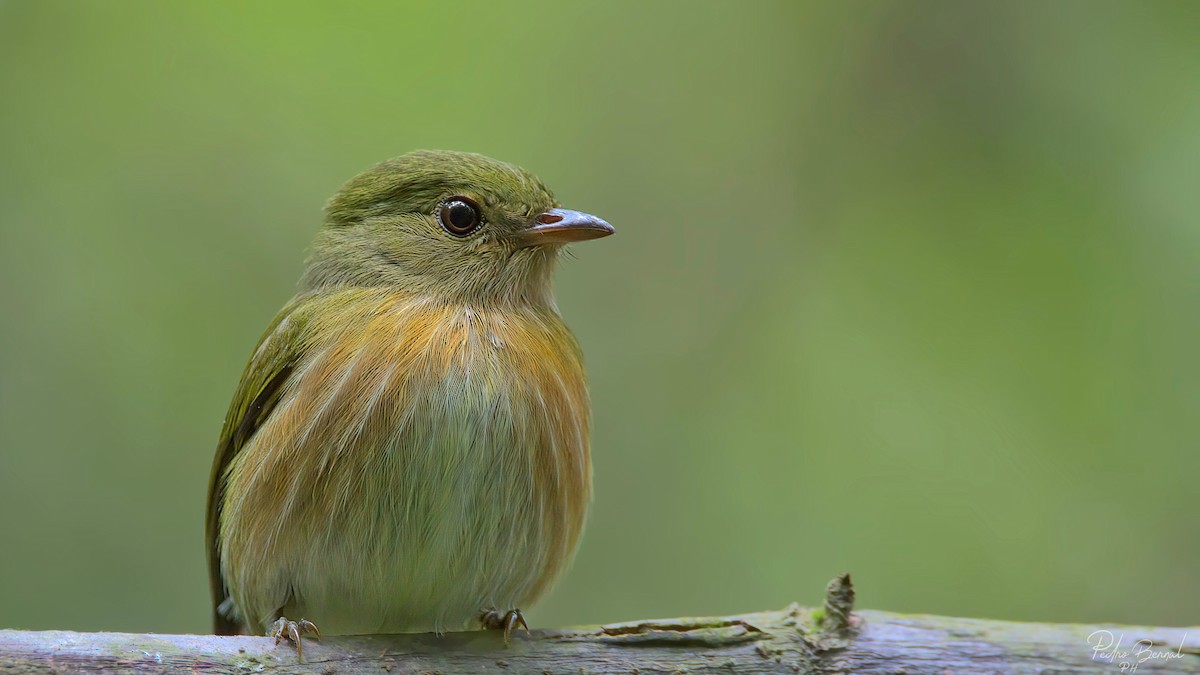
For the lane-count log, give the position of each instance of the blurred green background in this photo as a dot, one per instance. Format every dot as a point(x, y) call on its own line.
point(905, 289)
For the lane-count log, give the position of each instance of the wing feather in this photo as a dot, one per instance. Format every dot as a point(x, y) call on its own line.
point(278, 352)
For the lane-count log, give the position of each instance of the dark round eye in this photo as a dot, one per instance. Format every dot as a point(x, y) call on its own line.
point(459, 216)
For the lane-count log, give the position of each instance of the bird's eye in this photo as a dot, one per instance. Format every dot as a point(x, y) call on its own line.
point(459, 216)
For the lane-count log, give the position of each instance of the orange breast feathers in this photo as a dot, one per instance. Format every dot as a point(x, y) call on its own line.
point(428, 457)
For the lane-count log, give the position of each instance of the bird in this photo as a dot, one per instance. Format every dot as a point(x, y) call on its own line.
point(408, 447)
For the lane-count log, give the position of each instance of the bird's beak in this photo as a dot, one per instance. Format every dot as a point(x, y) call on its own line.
point(563, 226)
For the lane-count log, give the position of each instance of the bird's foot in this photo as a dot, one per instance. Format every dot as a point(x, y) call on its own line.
point(292, 630)
point(494, 619)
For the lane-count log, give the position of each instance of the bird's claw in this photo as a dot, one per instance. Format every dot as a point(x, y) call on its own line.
point(292, 630)
point(494, 619)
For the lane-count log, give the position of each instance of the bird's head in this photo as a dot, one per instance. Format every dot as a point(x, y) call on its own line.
point(450, 225)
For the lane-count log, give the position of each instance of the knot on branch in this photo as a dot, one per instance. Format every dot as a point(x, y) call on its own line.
point(839, 603)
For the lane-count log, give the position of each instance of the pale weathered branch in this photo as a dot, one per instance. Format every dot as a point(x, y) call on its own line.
point(792, 640)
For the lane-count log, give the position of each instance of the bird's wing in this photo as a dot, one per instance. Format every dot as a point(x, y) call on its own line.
point(277, 355)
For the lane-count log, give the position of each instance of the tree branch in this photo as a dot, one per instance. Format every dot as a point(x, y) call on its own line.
point(792, 640)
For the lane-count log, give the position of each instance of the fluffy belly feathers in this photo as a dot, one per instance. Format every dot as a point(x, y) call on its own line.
point(441, 468)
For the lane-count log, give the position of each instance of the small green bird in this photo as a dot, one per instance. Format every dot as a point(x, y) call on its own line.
point(408, 448)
